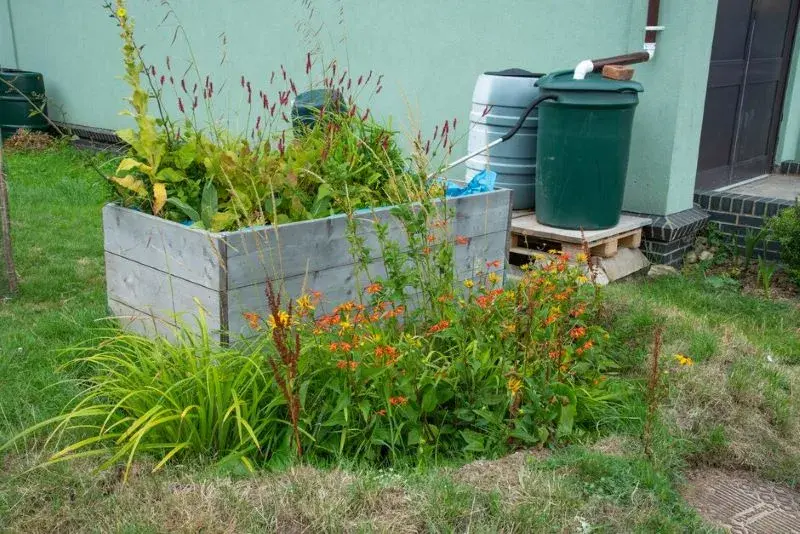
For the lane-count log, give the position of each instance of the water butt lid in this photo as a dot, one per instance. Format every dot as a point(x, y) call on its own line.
point(563, 81)
point(514, 73)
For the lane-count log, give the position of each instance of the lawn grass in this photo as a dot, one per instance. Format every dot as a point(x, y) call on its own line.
point(58, 245)
point(738, 406)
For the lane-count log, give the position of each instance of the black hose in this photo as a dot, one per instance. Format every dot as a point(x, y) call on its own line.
point(513, 131)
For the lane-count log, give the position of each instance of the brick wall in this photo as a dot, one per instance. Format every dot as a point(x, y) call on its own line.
point(736, 215)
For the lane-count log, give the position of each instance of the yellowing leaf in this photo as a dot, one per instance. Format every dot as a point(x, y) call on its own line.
point(127, 135)
point(131, 183)
point(159, 197)
point(222, 220)
point(128, 164)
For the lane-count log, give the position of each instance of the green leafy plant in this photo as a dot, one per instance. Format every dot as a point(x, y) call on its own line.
point(285, 170)
point(187, 398)
point(785, 228)
point(766, 271)
point(751, 240)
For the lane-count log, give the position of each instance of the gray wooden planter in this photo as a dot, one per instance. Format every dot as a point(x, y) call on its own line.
point(159, 271)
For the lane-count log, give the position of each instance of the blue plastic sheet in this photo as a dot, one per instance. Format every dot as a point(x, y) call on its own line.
point(483, 182)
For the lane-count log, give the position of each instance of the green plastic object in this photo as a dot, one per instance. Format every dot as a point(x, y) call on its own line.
point(21, 95)
point(583, 148)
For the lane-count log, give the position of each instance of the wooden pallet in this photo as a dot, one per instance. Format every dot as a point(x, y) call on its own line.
point(529, 237)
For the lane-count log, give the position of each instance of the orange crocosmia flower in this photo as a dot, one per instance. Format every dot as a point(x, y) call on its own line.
point(577, 312)
point(577, 332)
point(495, 264)
point(444, 298)
point(341, 364)
point(395, 401)
point(550, 319)
point(381, 412)
point(345, 346)
point(426, 250)
point(253, 319)
point(462, 240)
point(438, 327)
point(431, 238)
point(374, 288)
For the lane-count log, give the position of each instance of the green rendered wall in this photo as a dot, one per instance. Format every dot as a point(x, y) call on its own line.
point(430, 53)
point(7, 58)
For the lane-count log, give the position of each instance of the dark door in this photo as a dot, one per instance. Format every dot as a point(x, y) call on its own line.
point(746, 84)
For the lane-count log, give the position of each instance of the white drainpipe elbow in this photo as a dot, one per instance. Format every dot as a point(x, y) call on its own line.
point(583, 68)
point(650, 48)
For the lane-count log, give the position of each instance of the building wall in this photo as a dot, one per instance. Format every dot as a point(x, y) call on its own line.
point(7, 58)
point(429, 52)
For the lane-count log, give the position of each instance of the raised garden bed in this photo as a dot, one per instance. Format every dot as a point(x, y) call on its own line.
point(157, 270)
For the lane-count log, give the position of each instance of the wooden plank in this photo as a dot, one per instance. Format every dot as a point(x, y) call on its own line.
point(295, 248)
point(139, 322)
point(337, 285)
point(528, 225)
point(633, 240)
point(340, 284)
point(605, 249)
point(194, 255)
point(158, 293)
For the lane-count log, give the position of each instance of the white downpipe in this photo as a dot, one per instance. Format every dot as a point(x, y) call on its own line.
point(583, 68)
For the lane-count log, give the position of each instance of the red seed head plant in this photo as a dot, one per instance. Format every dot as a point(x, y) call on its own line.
point(287, 344)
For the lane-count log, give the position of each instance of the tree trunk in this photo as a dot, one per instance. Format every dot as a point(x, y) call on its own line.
point(5, 227)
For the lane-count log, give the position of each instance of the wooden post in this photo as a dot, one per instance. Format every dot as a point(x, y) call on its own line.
point(5, 226)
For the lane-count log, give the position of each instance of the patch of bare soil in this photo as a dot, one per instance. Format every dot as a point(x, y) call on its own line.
point(782, 287)
point(505, 475)
point(743, 503)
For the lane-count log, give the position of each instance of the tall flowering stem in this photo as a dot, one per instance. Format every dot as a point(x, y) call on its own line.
point(284, 367)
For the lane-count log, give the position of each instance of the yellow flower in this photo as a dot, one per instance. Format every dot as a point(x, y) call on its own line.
point(684, 360)
point(283, 320)
point(581, 257)
point(305, 303)
point(525, 267)
point(122, 12)
point(553, 251)
point(345, 325)
point(469, 284)
point(514, 385)
point(582, 279)
point(493, 278)
point(510, 328)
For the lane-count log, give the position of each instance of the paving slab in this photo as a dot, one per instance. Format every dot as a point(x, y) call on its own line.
point(783, 186)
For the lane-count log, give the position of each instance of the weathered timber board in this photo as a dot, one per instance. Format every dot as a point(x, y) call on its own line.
point(167, 246)
point(158, 293)
point(289, 250)
point(157, 269)
point(139, 322)
point(339, 284)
